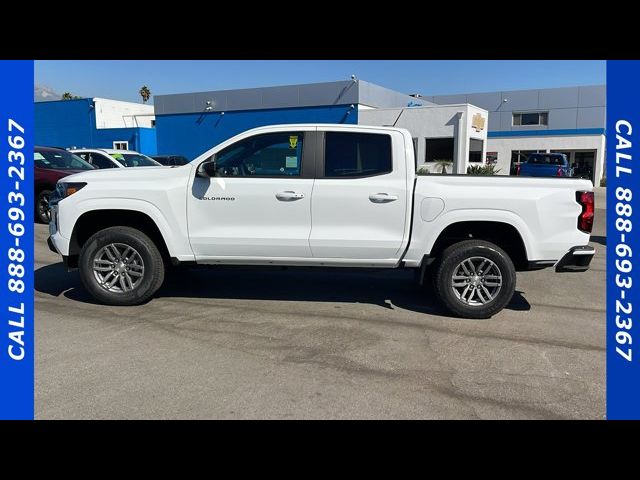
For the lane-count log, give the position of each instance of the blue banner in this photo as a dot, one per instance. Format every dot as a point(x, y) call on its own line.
point(623, 247)
point(16, 240)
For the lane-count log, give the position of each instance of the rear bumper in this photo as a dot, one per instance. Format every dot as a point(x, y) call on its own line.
point(577, 259)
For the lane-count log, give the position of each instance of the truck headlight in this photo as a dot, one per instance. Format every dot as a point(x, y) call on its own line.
point(66, 189)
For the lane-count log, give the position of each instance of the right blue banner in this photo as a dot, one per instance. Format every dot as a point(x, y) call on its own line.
point(623, 253)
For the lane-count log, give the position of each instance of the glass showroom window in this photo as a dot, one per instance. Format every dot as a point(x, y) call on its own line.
point(439, 150)
point(531, 119)
point(475, 150)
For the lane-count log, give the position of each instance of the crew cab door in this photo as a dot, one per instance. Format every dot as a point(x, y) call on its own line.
point(360, 203)
point(259, 203)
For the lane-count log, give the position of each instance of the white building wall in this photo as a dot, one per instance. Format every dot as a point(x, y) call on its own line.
point(443, 121)
point(117, 114)
point(504, 146)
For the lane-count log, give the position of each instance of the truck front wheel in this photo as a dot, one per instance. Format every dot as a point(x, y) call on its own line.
point(475, 279)
point(121, 266)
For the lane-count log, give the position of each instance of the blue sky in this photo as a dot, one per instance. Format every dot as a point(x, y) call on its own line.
point(121, 80)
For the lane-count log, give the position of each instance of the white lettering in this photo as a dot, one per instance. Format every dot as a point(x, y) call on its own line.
point(624, 123)
point(19, 356)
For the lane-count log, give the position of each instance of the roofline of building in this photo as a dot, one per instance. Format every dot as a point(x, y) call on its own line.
point(512, 91)
point(264, 87)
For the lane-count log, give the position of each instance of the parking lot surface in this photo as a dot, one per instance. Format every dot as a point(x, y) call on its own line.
point(273, 343)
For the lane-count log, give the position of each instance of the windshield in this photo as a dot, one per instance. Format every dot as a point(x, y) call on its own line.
point(60, 159)
point(134, 160)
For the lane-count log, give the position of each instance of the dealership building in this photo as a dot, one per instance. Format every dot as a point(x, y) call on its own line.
point(446, 136)
point(565, 120)
point(450, 132)
point(95, 123)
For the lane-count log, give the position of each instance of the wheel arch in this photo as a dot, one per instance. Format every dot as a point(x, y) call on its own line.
point(92, 221)
point(503, 234)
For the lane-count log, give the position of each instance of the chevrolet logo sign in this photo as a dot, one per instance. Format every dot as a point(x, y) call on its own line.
point(478, 122)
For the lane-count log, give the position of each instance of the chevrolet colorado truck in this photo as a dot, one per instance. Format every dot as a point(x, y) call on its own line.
point(319, 195)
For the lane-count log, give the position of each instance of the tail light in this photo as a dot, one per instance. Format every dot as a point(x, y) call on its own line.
point(559, 172)
point(585, 219)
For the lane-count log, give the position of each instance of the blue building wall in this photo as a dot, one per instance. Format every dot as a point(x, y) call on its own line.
point(192, 134)
point(72, 123)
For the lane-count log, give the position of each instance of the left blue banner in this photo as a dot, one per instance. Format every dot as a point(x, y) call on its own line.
point(16, 241)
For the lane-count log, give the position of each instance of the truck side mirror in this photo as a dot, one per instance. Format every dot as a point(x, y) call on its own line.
point(207, 169)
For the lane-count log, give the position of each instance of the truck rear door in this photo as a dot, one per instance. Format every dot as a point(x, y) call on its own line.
point(360, 204)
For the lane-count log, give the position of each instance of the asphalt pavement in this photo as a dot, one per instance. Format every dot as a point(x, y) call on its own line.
point(255, 342)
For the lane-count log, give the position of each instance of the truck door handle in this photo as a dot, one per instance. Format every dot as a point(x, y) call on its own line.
point(382, 198)
point(289, 196)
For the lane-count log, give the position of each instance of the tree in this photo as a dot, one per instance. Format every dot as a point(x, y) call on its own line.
point(443, 164)
point(68, 96)
point(145, 93)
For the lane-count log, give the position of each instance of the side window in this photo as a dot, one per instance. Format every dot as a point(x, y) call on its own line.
point(99, 161)
point(85, 156)
point(356, 154)
point(268, 155)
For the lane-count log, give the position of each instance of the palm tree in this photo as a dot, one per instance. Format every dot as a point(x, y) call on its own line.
point(145, 93)
point(68, 96)
point(443, 164)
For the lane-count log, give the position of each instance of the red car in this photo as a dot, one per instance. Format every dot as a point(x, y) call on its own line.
point(50, 165)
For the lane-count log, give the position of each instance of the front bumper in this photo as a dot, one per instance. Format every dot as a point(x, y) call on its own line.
point(577, 259)
point(52, 246)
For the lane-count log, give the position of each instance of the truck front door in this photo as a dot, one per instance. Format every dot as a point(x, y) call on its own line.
point(259, 203)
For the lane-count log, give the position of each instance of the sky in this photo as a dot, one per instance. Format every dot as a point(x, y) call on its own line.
point(121, 80)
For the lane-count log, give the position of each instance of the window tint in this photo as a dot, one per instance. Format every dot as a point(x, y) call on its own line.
point(268, 155)
point(100, 161)
point(356, 154)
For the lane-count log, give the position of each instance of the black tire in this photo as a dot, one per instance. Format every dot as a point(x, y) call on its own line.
point(152, 275)
point(42, 206)
point(451, 260)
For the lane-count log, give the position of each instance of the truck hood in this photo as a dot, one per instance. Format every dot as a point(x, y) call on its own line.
point(131, 174)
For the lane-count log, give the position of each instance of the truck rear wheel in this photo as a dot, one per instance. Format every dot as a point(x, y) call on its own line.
point(121, 266)
point(475, 279)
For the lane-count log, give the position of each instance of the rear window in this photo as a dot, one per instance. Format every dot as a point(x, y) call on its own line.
point(356, 154)
point(546, 160)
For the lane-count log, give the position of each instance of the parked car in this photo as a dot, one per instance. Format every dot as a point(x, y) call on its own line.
point(50, 165)
point(171, 160)
point(111, 158)
point(251, 200)
point(546, 165)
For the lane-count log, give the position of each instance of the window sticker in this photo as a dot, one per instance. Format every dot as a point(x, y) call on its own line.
point(293, 141)
point(291, 162)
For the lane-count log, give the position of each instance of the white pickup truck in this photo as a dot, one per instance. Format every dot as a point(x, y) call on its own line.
point(319, 195)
